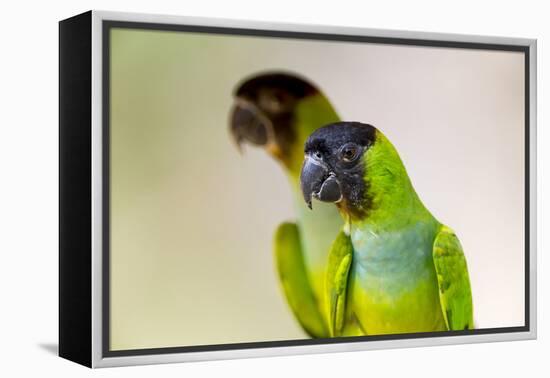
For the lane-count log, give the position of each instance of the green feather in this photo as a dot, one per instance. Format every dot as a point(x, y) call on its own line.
point(340, 256)
point(294, 281)
point(455, 293)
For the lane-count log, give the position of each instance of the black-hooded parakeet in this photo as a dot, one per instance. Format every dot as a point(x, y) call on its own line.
point(394, 268)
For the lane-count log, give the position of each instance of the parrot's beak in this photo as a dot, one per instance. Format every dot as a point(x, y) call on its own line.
point(317, 181)
point(248, 123)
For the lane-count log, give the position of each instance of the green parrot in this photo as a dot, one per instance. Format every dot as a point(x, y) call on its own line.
point(393, 268)
point(278, 111)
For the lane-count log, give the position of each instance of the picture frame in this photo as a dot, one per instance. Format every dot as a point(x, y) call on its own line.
point(85, 274)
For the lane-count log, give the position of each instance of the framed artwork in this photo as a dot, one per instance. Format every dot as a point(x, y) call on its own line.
point(233, 189)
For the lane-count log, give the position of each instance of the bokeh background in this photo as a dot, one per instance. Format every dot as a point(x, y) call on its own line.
point(192, 219)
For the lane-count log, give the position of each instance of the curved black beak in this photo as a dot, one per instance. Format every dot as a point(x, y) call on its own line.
point(317, 181)
point(249, 124)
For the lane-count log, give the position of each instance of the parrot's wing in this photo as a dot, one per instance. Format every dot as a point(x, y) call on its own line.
point(339, 262)
point(455, 293)
point(295, 282)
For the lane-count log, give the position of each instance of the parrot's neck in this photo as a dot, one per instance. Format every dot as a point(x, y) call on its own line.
point(392, 202)
point(310, 114)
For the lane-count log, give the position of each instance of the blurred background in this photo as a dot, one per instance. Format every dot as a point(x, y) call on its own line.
point(192, 225)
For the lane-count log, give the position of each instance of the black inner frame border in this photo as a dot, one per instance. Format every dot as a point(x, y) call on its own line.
point(107, 25)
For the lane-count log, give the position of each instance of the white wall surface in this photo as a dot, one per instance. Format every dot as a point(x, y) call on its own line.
point(28, 200)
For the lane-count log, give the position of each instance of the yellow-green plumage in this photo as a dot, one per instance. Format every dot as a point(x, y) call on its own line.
point(294, 279)
point(339, 263)
point(454, 284)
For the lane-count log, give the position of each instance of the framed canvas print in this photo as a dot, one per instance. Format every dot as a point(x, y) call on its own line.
point(235, 189)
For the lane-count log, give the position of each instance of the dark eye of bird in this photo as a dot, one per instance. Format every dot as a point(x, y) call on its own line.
point(318, 155)
point(273, 101)
point(349, 152)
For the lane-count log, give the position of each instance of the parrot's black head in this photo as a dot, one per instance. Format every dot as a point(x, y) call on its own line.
point(334, 168)
point(264, 108)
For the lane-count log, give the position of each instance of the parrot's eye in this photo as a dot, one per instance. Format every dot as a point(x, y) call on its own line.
point(273, 101)
point(349, 152)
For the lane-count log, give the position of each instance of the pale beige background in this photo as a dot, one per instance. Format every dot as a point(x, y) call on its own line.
point(192, 220)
